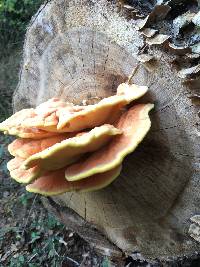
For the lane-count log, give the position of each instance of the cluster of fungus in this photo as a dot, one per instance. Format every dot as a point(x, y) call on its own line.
point(63, 147)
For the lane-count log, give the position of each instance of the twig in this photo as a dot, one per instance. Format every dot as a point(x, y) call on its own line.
point(84, 260)
point(132, 74)
point(32, 257)
point(70, 259)
point(29, 214)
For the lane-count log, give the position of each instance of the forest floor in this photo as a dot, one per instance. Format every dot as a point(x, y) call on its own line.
point(29, 235)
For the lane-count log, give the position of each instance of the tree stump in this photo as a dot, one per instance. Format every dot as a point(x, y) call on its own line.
point(82, 50)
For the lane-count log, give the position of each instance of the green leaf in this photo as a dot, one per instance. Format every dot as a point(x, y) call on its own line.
point(106, 263)
point(24, 198)
point(33, 235)
point(21, 259)
point(51, 253)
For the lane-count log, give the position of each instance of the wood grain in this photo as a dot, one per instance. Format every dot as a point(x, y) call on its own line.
point(82, 51)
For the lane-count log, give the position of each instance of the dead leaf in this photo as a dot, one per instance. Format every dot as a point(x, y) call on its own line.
point(193, 84)
point(181, 21)
point(148, 32)
point(196, 19)
point(148, 61)
point(179, 50)
point(158, 13)
point(196, 48)
point(188, 72)
point(158, 39)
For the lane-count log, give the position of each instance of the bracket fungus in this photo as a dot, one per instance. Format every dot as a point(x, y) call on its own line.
point(54, 183)
point(134, 124)
point(19, 174)
point(94, 115)
point(45, 161)
point(32, 132)
point(57, 116)
point(69, 150)
point(45, 115)
point(25, 148)
point(13, 126)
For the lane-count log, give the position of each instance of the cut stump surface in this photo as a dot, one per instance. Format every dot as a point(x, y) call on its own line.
point(82, 50)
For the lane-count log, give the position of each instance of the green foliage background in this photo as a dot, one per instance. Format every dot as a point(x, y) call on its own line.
point(14, 17)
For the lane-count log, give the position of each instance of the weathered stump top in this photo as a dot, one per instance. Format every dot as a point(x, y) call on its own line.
point(80, 50)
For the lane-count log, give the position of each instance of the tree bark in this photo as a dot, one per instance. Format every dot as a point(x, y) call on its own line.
point(81, 50)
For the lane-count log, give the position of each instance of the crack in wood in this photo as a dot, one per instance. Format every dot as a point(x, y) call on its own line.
point(94, 62)
point(186, 155)
point(167, 105)
point(85, 210)
point(106, 60)
point(167, 128)
point(38, 13)
point(67, 69)
point(70, 199)
point(86, 230)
